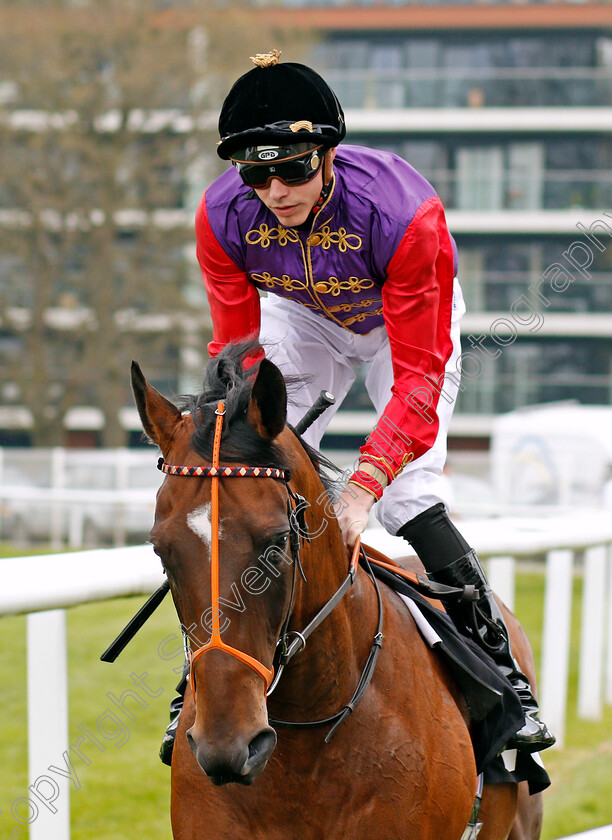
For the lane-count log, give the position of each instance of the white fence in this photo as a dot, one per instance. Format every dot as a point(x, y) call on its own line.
point(77, 497)
point(561, 539)
point(43, 586)
point(48, 584)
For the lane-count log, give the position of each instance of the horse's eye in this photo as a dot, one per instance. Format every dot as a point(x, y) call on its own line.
point(281, 541)
point(277, 547)
point(157, 551)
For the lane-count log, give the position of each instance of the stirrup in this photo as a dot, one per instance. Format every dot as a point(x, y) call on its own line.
point(533, 736)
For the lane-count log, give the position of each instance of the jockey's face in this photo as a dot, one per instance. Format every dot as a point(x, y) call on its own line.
point(292, 204)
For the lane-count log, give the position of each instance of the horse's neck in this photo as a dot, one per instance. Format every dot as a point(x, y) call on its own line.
point(324, 555)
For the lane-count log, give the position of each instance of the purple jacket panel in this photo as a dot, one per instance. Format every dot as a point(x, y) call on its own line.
point(338, 267)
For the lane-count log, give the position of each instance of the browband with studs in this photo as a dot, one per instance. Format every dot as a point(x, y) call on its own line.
point(224, 472)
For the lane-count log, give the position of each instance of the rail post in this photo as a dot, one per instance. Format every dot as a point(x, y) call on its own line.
point(48, 792)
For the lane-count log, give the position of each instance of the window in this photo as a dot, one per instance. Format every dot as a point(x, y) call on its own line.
point(525, 176)
point(500, 177)
point(480, 178)
point(388, 86)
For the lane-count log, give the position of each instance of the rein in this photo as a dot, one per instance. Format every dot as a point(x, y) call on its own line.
point(368, 670)
point(285, 650)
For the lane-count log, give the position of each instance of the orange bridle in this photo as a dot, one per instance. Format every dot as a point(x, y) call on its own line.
point(216, 642)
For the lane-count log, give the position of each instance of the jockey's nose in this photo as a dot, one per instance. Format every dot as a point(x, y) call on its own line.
point(240, 761)
point(278, 189)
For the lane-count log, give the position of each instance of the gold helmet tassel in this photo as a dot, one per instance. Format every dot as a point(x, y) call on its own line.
point(266, 59)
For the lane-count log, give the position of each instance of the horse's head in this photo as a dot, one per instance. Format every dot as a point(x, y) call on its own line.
point(225, 546)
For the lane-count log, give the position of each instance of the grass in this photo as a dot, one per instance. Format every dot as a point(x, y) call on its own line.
point(581, 773)
point(125, 790)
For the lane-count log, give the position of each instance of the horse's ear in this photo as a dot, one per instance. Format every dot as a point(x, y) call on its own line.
point(157, 414)
point(267, 412)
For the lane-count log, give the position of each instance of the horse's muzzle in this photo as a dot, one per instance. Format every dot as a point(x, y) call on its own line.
point(239, 763)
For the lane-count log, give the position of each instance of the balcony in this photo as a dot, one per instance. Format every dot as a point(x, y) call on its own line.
point(583, 308)
point(502, 392)
point(528, 188)
point(472, 87)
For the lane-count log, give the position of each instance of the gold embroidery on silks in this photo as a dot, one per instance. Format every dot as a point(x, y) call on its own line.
point(264, 236)
point(288, 283)
point(346, 307)
point(324, 237)
point(344, 241)
point(361, 317)
point(333, 286)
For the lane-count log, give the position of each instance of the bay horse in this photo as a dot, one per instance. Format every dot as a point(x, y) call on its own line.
point(401, 766)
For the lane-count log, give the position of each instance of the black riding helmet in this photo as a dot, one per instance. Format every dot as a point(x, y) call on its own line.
point(279, 104)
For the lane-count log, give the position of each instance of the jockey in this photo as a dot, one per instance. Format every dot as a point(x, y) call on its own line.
point(352, 248)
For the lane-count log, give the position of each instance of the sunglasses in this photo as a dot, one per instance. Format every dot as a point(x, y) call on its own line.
point(291, 171)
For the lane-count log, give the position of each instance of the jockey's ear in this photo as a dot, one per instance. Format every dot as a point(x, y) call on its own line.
point(267, 412)
point(157, 414)
point(328, 165)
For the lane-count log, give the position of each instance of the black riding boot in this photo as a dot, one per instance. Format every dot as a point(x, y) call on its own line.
point(167, 744)
point(483, 621)
point(448, 559)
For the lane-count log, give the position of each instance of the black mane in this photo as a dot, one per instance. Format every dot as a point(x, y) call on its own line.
point(226, 378)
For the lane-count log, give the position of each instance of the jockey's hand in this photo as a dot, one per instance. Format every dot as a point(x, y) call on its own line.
point(352, 511)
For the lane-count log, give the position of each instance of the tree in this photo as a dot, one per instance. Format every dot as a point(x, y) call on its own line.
point(107, 119)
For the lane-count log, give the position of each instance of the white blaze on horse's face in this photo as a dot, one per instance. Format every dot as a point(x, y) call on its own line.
point(200, 523)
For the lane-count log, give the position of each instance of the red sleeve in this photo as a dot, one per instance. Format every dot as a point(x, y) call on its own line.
point(233, 300)
point(417, 306)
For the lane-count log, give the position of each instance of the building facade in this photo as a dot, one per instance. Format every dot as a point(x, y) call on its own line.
point(505, 108)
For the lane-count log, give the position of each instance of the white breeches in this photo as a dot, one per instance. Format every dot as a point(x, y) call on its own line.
point(322, 356)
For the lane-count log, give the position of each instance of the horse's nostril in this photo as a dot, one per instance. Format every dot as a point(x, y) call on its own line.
point(238, 761)
point(191, 742)
point(260, 749)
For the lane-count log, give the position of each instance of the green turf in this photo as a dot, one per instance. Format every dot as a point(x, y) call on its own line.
point(580, 796)
point(125, 789)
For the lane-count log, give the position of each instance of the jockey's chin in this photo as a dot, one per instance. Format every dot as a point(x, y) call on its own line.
point(291, 204)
